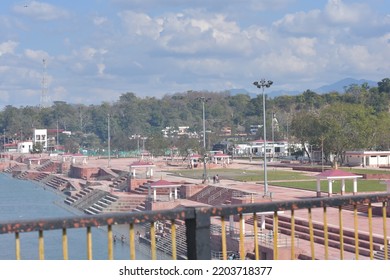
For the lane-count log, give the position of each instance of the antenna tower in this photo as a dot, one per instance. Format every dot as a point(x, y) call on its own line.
point(44, 95)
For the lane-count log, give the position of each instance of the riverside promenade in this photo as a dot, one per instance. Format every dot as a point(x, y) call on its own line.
point(164, 171)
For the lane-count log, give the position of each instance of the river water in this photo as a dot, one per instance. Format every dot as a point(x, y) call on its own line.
point(21, 200)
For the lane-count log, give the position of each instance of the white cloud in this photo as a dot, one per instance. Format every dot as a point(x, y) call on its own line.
point(8, 47)
point(99, 20)
point(303, 46)
point(310, 23)
point(101, 68)
point(191, 32)
point(41, 11)
point(176, 45)
point(37, 55)
point(338, 12)
point(140, 24)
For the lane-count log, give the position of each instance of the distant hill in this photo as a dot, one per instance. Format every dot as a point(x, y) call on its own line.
point(269, 93)
point(337, 86)
point(342, 84)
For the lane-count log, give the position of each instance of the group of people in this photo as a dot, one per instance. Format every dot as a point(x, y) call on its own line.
point(123, 238)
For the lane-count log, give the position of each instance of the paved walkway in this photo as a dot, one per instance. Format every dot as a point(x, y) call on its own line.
point(278, 194)
point(282, 193)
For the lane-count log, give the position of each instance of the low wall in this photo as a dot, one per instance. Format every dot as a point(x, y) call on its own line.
point(187, 191)
point(375, 176)
point(309, 168)
point(85, 173)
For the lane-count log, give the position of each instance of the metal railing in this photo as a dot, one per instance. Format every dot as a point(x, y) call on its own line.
point(198, 222)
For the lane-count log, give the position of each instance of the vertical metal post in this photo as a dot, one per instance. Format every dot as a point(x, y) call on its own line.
point(41, 245)
point(242, 237)
point(292, 234)
point(262, 84)
point(355, 223)
point(223, 238)
point(204, 140)
point(132, 242)
point(311, 235)
point(89, 243)
point(326, 239)
point(198, 236)
point(204, 125)
point(17, 246)
point(153, 248)
point(173, 239)
point(110, 241)
point(385, 240)
point(371, 239)
point(276, 221)
point(109, 140)
point(265, 148)
point(341, 233)
point(64, 244)
point(322, 154)
point(256, 237)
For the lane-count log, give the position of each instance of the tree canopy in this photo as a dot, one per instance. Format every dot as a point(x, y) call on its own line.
point(358, 118)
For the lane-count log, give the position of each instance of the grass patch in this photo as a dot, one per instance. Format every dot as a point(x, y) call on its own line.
point(289, 179)
point(243, 175)
point(362, 185)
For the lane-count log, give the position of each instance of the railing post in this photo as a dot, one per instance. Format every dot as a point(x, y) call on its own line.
point(198, 236)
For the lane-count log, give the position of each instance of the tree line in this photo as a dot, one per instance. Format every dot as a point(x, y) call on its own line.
point(357, 118)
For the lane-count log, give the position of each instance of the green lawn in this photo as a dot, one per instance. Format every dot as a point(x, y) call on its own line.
point(362, 185)
point(289, 179)
point(243, 175)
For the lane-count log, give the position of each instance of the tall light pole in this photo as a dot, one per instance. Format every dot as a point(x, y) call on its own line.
point(273, 135)
point(203, 100)
point(264, 84)
point(109, 140)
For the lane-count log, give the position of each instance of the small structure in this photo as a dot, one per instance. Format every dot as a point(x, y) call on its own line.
point(141, 165)
point(25, 147)
point(336, 174)
point(367, 158)
point(220, 158)
point(74, 158)
point(10, 147)
point(163, 184)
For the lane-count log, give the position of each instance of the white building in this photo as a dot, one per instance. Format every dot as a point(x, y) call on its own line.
point(40, 137)
point(367, 158)
point(273, 149)
point(25, 147)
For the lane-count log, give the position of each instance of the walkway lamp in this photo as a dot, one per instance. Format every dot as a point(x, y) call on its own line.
point(264, 84)
point(204, 100)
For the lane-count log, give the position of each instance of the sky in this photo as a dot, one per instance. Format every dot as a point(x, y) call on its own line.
point(93, 51)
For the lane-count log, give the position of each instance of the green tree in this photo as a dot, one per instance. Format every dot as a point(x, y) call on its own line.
point(37, 148)
point(348, 127)
point(384, 85)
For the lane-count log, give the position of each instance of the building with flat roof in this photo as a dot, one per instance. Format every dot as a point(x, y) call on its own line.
point(367, 158)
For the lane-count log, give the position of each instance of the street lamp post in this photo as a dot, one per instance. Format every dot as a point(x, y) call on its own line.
point(137, 137)
point(311, 154)
point(4, 141)
point(109, 140)
point(264, 84)
point(203, 100)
